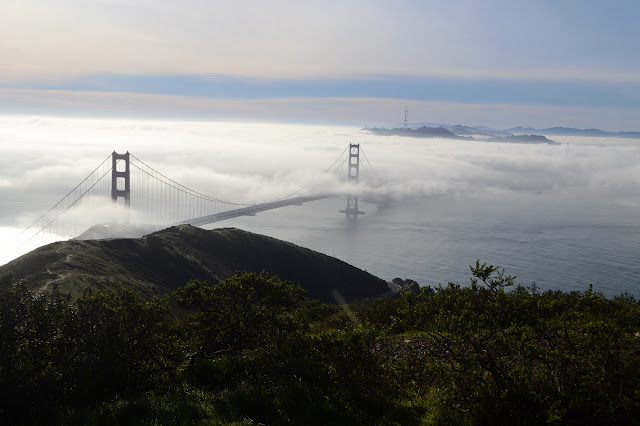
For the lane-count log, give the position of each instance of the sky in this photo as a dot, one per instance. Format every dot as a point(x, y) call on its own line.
point(495, 63)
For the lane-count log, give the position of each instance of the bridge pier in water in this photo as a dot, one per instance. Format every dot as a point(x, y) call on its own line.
point(353, 172)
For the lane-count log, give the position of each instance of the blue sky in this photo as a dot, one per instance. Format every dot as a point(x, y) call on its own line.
point(502, 62)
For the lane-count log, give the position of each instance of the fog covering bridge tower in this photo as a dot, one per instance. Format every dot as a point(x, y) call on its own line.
point(353, 172)
point(120, 178)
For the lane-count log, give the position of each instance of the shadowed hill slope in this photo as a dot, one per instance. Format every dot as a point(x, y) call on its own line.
point(159, 263)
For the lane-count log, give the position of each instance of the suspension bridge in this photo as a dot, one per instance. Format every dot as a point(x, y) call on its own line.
point(123, 188)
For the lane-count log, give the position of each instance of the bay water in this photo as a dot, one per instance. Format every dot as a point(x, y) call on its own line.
point(564, 242)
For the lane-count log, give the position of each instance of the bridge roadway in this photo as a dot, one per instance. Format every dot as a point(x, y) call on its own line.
point(251, 210)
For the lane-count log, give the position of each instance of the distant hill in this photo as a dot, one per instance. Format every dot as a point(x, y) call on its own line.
point(436, 130)
point(476, 131)
point(462, 132)
point(420, 132)
point(635, 135)
point(161, 262)
point(569, 131)
point(521, 130)
point(533, 139)
point(575, 132)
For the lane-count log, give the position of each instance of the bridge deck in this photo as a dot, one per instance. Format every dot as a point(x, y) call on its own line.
point(250, 211)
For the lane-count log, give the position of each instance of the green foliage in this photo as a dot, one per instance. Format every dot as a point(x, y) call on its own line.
point(251, 349)
point(243, 311)
point(178, 405)
point(123, 345)
point(524, 357)
point(56, 354)
point(33, 350)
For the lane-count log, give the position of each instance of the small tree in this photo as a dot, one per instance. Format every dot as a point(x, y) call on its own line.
point(245, 310)
point(123, 345)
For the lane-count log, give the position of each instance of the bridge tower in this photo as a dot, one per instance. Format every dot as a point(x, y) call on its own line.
point(352, 177)
point(120, 175)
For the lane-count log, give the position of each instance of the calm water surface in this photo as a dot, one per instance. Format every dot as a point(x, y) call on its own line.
point(559, 240)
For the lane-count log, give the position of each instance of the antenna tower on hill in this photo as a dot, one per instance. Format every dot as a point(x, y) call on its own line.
point(406, 117)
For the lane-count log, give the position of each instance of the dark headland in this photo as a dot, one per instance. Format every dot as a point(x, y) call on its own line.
point(161, 262)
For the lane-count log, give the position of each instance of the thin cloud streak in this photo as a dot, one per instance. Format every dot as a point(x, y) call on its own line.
point(361, 110)
point(445, 89)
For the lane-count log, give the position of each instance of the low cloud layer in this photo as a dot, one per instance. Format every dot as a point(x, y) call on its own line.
point(42, 159)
